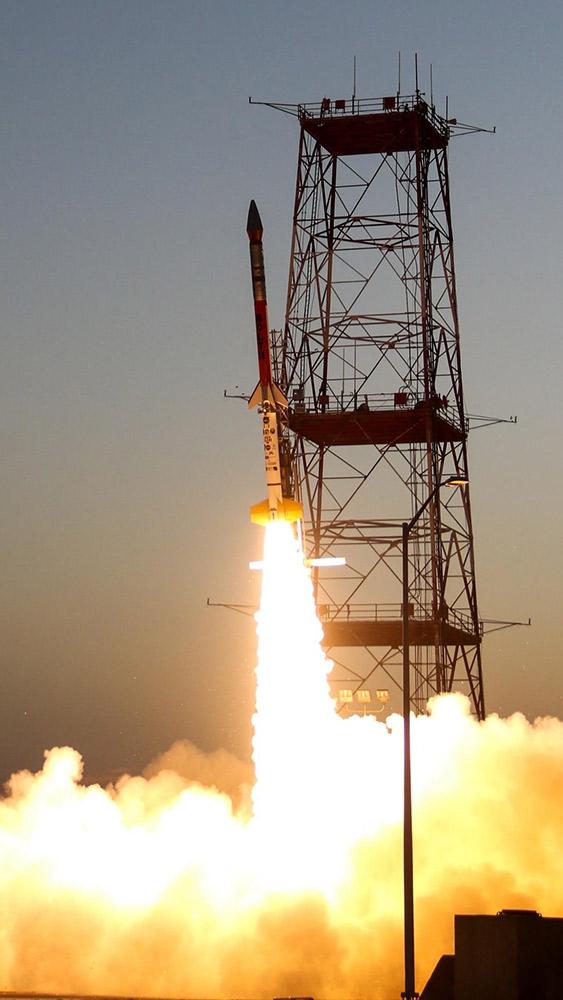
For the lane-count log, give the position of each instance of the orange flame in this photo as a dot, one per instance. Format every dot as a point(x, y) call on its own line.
point(161, 886)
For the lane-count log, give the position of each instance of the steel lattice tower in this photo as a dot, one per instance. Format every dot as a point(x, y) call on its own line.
point(370, 361)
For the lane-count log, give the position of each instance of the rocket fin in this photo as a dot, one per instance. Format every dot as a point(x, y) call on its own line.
point(256, 397)
point(272, 393)
point(279, 397)
point(288, 510)
point(260, 513)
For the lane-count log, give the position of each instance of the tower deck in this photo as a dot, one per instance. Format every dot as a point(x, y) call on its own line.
point(413, 126)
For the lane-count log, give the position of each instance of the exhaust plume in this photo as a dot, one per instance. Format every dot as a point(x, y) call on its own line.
point(176, 883)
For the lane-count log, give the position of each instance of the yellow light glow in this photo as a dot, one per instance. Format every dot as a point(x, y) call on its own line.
point(164, 886)
point(363, 695)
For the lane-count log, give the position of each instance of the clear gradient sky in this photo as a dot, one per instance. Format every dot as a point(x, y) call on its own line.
point(129, 156)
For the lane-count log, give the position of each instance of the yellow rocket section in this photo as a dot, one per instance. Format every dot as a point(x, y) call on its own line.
point(287, 510)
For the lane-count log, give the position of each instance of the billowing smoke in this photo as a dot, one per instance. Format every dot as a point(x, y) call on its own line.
point(176, 884)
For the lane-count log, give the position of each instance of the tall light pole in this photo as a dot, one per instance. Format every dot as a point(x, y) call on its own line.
point(409, 992)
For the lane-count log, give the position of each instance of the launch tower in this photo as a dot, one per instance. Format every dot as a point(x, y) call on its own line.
point(369, 360)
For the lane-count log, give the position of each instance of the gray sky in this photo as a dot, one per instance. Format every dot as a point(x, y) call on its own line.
point(130, 154)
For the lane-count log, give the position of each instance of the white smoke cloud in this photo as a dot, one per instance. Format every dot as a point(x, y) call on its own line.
point(152, 886)
point(169, 884)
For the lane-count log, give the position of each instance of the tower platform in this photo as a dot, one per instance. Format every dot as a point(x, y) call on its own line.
point(400, 126)
point(375, 626)
point(366, 426)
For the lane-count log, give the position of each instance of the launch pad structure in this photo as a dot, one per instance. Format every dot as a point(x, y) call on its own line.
point(369, 360)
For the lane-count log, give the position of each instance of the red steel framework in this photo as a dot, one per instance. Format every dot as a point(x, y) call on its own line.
point(370, 362)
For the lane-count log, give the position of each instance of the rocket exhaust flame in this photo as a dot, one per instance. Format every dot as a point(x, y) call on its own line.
point(163, 886)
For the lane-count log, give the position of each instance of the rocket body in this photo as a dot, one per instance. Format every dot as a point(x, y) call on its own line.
point(254, 231)
point(267, 395)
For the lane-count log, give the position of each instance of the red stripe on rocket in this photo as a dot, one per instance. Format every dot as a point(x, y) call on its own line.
point(266, 388)
point(267, 394)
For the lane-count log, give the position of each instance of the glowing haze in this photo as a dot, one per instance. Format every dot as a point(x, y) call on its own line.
point(187, 882)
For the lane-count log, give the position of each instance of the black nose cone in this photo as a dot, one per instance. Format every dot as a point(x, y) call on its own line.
point(254, 222)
